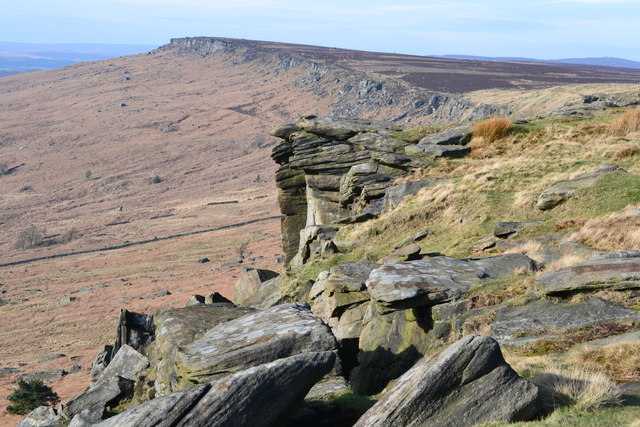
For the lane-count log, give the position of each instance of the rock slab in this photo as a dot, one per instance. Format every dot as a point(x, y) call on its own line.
point(468, 384)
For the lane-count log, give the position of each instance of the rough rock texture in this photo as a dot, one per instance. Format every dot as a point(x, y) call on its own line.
point(468, 384)
point(257, 338)
point(127, 363)
point(248, 287)
point(397, 193)
point(448, 143)
point(561, 191)
point(176, 327)
point(616, 270)
point(258, 396)
point(108, 391)
point(332, 169)
point(340, 298)
point(314, 241)
point(135, 330)
point(437, 280)
point(541, 316)
point(43, 416)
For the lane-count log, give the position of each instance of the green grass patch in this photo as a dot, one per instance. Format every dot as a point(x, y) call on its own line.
point(414, 135)
point(625, 415)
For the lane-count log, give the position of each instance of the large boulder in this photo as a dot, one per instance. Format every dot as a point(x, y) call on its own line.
point(438, 280)
point(43, 416)
point(177, 327)
point(615, 270)
point(563, 190)
point(543, 316)
point(247, 289)
point(468, 384)
point(259, 396)
point(107, 392)
point(450, 142)
point(251, 340)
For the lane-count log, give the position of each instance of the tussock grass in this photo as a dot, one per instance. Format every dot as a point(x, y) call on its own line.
point(613, 232)
point(628, 122)
point(492, 129)
point(576, 387)
point(563, 262)
point(620, 361)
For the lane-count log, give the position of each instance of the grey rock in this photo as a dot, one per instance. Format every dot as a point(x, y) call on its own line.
point(254, 339)
point(433, 150)
point(134, 329)
point(629, 336)
point(195, 300)
point(618, 270)
point(327, 387)
point(410, 252)
point(355, 219)
point(554, 252)
point(74, 369)
point(5, 372)
point(247, 288)
point(109, 390)
point(561, 191)
point(468, 384)
point(258, 396)
point(66, 300)
point(158, 295)
point(127, 363)
point(505, 229)
point(50, 356)
point(101, 361)
point(439, 279)
point(88, 417)
point(42, 416)
point(413, 238)
point(457, 135)
point(216, 298)
point(177, 327)
point(46, 374)
point(540, 316)
point(162, 411)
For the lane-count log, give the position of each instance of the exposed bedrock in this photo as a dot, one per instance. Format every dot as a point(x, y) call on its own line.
point(338, 171)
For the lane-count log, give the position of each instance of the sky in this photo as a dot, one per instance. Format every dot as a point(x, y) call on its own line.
point(547, 29)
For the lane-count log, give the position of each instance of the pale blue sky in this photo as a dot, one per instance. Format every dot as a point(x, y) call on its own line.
point(546, 29)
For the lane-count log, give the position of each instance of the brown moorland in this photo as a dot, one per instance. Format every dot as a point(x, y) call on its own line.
point(83, 146)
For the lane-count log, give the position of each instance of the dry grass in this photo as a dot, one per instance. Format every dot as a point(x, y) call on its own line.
point(492, 129)
point(628, 122)
point(527, 247)
point(629, 151)
point(620, 361)
point(563, 262)
point(576, 387)
point(614, 232)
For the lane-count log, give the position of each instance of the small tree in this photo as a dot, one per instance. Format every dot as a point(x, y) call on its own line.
point(156, 179)
point(29, 395)
point(30, 237)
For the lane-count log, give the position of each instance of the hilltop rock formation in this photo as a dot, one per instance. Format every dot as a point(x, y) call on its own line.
point(333, 169)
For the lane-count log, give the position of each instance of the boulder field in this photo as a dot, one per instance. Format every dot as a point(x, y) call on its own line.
point(403, 329)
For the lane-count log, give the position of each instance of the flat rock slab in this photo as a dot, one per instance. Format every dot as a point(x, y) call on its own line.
point(258, 396)
point(542, 316)
point(433, 150)
point(438, 280)
point(254, 339)
point(42, 416)
point(615, 270)
point(468, 384)
point(457, 135)
point(561, 191)
point(127, 363)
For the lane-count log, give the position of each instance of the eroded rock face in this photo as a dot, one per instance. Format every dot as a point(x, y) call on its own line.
point(468, 384)
point(248, 289)
point(616, 270)
point(543, 316)
point(331, 169)
point(561, 191)
point(176, 327)
point(257, 396)
point(437, 280)
point(253, 339)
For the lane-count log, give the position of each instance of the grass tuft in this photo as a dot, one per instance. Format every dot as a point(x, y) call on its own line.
point(628, 122)
point(492, 129)
point(621, 361)
point(578, 388)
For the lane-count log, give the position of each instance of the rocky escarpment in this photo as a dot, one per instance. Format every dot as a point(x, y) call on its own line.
point(354, 93)
point(336, 171)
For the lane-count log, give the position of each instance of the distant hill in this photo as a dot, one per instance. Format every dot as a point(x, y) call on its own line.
point(24, 57)
point(605, 61)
